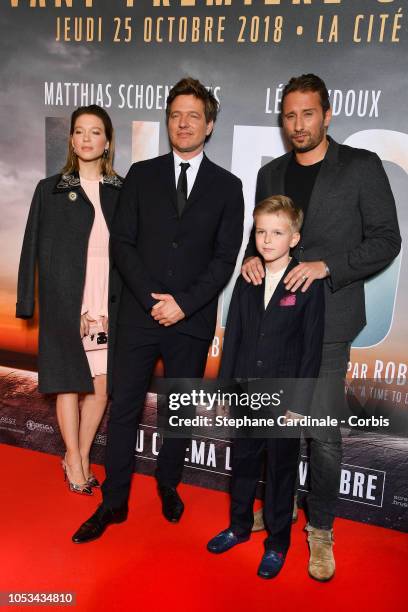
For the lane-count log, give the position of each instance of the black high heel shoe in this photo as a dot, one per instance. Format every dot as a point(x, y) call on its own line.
point(82, 489)
point(93, 482)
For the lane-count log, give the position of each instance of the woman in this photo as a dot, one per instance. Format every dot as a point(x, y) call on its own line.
point(67, 234)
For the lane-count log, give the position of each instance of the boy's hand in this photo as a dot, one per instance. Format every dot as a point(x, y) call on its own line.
point(252, 270)
point(222, 409)
point(293, 416)
point(167, 312)
point(304, 274)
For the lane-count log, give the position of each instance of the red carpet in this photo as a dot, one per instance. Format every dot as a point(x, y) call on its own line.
point(150, 564)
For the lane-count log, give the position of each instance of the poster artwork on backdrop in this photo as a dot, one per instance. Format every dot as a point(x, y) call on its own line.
point(125, 56)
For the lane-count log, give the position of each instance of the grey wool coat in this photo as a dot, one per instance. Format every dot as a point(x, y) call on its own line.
point(56, 239)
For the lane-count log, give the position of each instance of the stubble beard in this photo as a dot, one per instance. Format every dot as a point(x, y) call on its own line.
point(312, 142)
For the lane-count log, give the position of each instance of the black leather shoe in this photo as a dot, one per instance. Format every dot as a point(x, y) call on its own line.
point(271, 564)
point(172, 505)
point(224, 541)
point(94, 527)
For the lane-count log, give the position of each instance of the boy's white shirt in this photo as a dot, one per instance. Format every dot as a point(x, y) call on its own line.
point(271, 282)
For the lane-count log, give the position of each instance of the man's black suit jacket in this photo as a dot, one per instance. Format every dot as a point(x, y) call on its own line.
point(282, 341)
point(192, 257)
point(351, 224)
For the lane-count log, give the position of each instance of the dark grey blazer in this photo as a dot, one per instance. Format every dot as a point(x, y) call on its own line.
point(351, 224)
point(56, 237)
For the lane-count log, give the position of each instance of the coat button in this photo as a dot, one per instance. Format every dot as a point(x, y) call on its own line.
point(259, 364)
point(113, 299)
point(262, 335)
point(174, 245)
point(170, 272)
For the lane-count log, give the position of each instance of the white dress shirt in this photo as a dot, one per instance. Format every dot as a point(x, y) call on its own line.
point(191, 171)
point(271, 282)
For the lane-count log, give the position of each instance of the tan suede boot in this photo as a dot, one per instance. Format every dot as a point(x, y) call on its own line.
point(321, 562)
point(258, 520)
point(258, 517)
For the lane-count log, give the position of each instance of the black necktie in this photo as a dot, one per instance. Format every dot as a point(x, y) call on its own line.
point(182, 188)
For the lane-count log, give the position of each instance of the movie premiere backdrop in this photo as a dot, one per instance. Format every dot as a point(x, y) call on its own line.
point(125, 55)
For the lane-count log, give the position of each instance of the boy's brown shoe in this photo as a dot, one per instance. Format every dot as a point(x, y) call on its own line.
point(321, 562)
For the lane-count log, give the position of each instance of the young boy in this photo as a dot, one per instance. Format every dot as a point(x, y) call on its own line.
point(270, 333)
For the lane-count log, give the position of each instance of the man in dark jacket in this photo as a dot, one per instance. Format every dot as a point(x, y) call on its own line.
point(350, 232)
point(175, 241)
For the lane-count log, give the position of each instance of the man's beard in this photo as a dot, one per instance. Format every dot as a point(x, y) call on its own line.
point(311, 144)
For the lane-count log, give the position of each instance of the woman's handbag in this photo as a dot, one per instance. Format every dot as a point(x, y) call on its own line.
point(96, 339)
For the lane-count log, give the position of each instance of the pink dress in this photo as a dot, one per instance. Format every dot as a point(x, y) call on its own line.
point(95, 297)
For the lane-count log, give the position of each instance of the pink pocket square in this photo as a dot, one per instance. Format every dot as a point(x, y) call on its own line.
point(288, 300)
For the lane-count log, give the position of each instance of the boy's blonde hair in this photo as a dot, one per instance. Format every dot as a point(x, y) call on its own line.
point(280, 203)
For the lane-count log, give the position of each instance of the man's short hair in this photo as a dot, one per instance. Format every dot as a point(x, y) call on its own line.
point(308, 82)
point(280, 203)
point(189, 86)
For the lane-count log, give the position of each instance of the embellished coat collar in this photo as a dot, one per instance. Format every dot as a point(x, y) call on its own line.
point(72, 181)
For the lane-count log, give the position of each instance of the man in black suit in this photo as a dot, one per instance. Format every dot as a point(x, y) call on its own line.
point(350, 232)
point(175, 240)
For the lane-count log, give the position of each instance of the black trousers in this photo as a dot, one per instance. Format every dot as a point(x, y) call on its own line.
point(136, 353)
point(326, 446)
point(281, 471)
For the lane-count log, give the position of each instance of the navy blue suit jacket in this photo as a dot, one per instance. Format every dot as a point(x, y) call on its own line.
point(282, 341)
